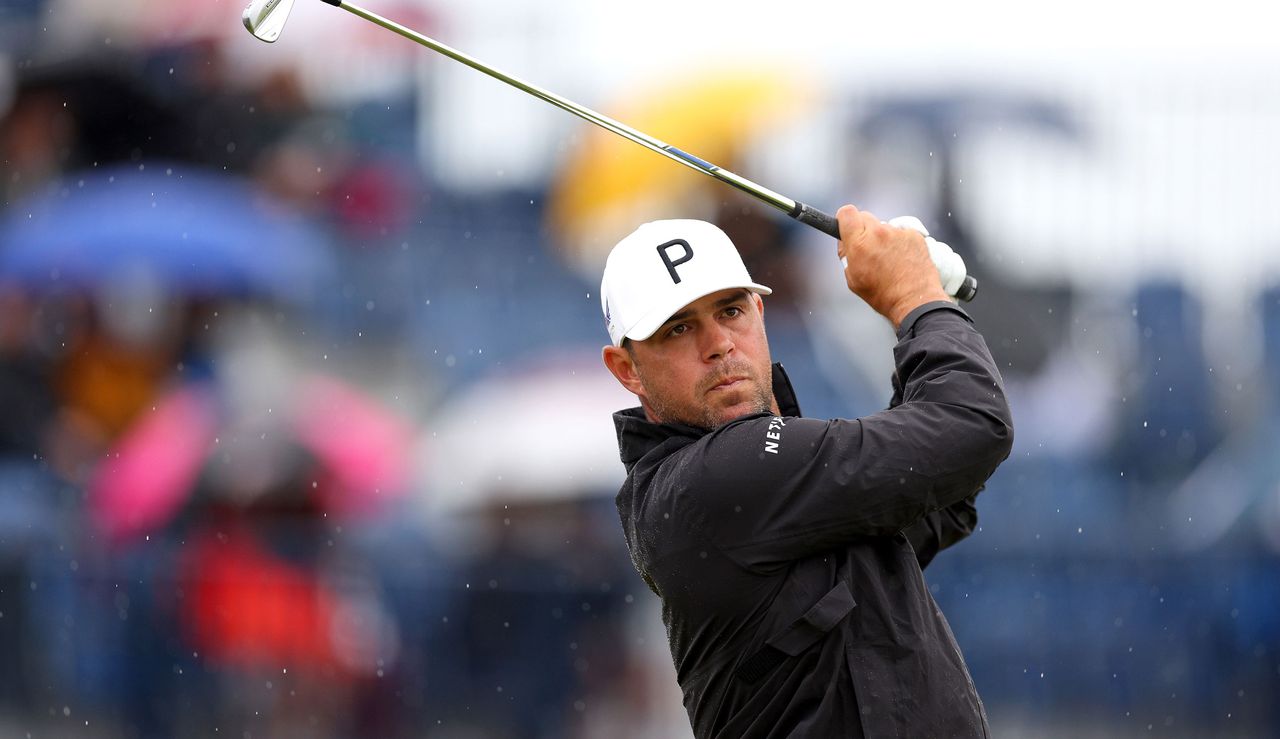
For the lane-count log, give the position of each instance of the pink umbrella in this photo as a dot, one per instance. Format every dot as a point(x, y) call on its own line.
point(143, 482)
point(363, 446)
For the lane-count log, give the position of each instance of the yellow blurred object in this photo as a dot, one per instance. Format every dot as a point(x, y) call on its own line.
point(610, 185)
point(109, 384)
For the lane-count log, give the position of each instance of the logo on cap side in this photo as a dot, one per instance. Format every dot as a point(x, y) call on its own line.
point(671, 266)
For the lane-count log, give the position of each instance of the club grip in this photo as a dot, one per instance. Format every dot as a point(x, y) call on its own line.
point(830, 226)
point(816, 218)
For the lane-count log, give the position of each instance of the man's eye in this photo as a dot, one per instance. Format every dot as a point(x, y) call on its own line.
point(733, 311)
point(677, 329)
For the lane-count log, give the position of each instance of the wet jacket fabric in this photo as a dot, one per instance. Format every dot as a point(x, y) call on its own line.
point(788, 551)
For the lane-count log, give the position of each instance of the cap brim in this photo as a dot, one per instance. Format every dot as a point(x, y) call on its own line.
point(651, 322)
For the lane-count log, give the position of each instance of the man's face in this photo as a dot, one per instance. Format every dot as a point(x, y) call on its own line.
point(707, 365)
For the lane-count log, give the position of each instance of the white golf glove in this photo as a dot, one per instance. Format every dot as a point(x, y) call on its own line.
point(950, 265)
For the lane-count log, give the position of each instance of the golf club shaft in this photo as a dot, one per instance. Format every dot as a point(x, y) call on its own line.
point(764, 194)
point(806, 214)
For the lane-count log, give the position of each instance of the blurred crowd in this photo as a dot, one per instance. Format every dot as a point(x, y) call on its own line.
point(297, 439)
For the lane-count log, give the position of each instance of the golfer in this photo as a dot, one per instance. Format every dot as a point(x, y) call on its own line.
point(787, 551)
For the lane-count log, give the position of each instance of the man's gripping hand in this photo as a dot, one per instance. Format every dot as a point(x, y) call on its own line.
point(888, 267)
point(950, 265)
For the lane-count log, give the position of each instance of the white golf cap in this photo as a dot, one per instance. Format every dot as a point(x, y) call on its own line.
point(660, 268)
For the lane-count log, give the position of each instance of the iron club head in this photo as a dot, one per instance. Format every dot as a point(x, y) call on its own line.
point(265, 18)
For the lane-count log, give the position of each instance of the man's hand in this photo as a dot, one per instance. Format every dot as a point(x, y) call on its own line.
point(888, 267)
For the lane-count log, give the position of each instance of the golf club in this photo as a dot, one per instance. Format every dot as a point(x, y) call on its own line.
point(265, 19)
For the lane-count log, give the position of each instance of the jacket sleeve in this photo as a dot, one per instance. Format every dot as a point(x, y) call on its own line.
point(942, 528)
point(773, 490)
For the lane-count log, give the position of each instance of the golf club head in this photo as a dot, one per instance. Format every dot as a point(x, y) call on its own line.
point(265, 18)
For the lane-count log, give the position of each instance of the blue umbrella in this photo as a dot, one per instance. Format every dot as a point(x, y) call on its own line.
point(197, 232)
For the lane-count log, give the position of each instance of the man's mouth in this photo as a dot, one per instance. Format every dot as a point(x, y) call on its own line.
point(728, 383)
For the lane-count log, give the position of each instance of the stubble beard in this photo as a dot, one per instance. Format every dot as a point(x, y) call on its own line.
point(702, 414)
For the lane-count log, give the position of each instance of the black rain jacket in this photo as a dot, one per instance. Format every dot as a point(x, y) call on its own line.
point(787, 551)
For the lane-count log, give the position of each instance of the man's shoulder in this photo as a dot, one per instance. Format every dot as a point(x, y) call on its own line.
point(699, 465)
point(669, 474)
point(744, 453)
point(657, 505)
point(752, 436)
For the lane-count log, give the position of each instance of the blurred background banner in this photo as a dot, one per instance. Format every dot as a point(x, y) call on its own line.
point(303, 427)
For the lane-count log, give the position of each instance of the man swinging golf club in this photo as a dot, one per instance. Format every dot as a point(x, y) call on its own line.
point(787, 551)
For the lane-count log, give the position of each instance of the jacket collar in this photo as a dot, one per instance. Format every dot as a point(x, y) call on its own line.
point(637, 436)
point(784, 393)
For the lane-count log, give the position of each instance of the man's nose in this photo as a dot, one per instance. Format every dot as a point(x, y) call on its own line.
point(717, 342)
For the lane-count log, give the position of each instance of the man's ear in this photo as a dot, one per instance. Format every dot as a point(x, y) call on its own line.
point(623, 367)
point(759, 301)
